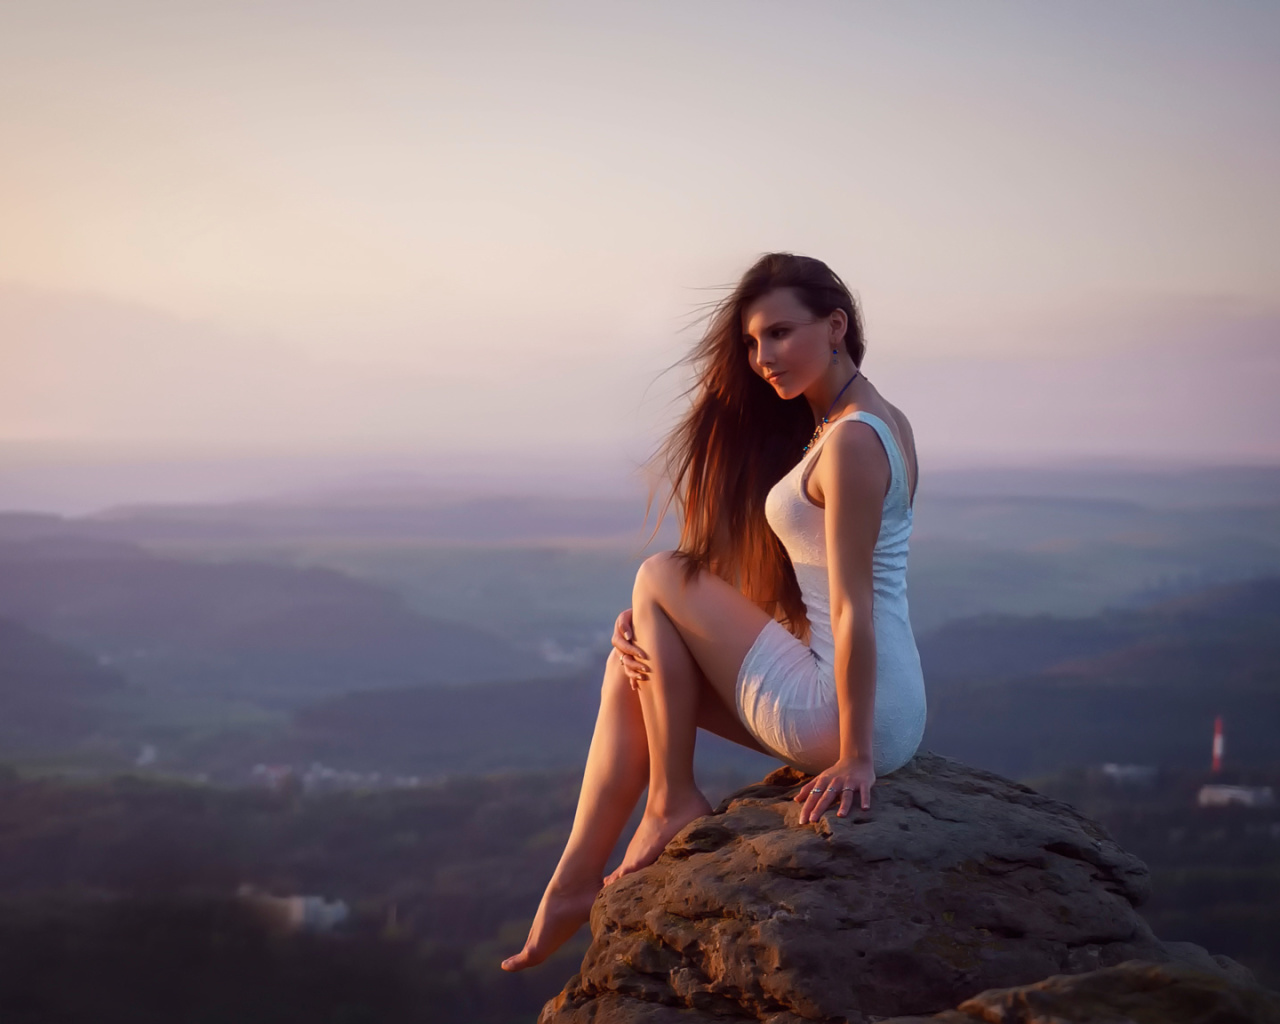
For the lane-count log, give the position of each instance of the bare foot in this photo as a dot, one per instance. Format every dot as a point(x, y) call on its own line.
point(561, 913)
point(655, 831)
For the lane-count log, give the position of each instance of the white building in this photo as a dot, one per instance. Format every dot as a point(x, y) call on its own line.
point(1130, 774)
point(1214, 795)
point(294, 913)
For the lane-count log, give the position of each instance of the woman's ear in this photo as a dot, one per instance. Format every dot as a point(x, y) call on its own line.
point(839, 324)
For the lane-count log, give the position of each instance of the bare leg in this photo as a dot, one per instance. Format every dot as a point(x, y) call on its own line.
point(717, 717)
point(697, 632)
point(670, 699)
point(615, 775)
point(716, 626)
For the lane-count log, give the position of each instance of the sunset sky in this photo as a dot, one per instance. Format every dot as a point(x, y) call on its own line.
point(476, 234)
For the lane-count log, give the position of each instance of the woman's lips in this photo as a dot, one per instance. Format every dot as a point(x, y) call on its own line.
point(772, 378)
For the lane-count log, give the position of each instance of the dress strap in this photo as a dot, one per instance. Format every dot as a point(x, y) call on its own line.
point(897, 462)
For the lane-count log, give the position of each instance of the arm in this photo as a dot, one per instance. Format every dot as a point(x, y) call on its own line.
point(854, 498)
point(852, 475)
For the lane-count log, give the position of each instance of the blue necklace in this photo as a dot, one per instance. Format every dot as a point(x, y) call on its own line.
point(825, 420)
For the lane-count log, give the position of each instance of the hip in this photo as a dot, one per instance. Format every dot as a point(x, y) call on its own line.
point(786, 697)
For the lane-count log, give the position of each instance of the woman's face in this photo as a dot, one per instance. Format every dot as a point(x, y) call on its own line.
point(785, 344)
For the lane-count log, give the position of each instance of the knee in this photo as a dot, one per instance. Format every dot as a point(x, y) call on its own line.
point(616, 679)
point(657, 576)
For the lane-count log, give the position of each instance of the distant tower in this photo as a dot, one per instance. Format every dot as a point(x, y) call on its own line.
point(1217, 745)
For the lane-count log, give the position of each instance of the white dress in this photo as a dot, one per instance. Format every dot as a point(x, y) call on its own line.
point(786, 692)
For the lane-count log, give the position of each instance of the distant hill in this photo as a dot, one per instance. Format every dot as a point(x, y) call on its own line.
point(1023, 696)
point(1034, 696)
point(390, 516)
point(1067, 543)
point(437, 731)
point(236, 628)
point(991, 648)
point(441, 732)
point(48, 690)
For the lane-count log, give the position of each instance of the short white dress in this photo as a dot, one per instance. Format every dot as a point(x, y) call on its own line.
point(786, 692)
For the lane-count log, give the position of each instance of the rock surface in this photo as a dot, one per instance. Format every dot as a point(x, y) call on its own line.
point(1131, 993)
point(955, 882)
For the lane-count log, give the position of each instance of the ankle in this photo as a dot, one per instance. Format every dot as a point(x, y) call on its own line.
point(571, 878)
point(673, 801)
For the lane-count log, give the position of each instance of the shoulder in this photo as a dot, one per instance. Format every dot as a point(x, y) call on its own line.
point(853, 440)
point(900, 418)
point(903, 424)
point(853, 464)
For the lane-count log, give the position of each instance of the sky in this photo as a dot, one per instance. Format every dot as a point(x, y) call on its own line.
point(477, 236)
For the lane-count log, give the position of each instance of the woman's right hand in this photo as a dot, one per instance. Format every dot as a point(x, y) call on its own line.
point(635, 662)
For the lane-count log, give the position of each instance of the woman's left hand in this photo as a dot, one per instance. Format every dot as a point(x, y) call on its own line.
point(843, 779)
point(624, 642)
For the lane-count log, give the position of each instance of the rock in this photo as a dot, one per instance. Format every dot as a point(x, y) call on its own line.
point(956, 881)
point(1133, 992)
point(1191, 955)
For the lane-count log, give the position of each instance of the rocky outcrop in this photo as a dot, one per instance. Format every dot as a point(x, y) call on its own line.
point(1131, 993)
point(955, 882)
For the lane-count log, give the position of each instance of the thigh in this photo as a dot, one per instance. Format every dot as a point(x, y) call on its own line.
point(716, 717)
point(717, 622)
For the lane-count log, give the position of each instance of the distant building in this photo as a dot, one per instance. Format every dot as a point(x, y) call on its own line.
point(294, 913)
point(1130, 774)
point(321, 778)
point(1245, 796)
point(273, 776)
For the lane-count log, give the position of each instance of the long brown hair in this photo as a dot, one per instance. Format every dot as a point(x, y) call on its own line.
point(739, 438)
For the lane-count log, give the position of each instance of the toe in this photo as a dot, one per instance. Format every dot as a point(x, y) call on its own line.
point(518, 962)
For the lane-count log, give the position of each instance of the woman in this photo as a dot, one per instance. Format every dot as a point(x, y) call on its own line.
point(781, 622)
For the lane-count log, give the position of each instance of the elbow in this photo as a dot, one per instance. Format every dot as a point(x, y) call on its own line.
point(852, 617)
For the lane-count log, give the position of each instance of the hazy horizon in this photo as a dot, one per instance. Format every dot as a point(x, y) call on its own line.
point(71, 481)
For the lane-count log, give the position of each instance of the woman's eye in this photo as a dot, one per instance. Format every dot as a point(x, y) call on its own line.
point(778, 332)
